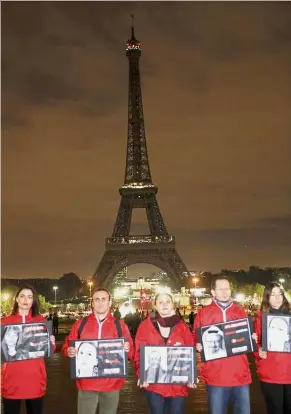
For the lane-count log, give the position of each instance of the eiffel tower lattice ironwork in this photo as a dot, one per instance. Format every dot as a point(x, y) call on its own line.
point(122, 249)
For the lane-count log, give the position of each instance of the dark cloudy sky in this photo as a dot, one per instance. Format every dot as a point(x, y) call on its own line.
point(216, 81)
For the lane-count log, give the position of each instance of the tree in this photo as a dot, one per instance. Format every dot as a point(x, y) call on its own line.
point(69, 285)
point(234, 287)
point(259, 290)
point(43, 305)
point(6, 303)
point(7, 298)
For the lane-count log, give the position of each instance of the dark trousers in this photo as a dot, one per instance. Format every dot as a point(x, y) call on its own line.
point(162, 405)
point(277, 397)
point(33, 406)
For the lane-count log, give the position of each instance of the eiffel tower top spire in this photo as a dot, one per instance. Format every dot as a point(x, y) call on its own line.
point(132, 27)
point(137, 171)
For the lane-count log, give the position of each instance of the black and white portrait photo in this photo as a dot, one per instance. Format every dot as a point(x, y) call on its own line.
point(213, 343)
point(25, 341)
point(86, 359)
point(168, 365)
point(276, 333)
point(155, 365)
point(11, 341)
point(226, 339)
point(102, 358)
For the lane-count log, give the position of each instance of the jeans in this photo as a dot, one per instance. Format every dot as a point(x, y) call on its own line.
point(162, 405)
point(89, 400)
point(277, 397)
point(219, 399)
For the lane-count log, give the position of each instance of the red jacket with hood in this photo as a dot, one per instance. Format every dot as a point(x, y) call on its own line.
point(276, 368)
point(225, 372)
point(148, 334)
point(23, 379)
point(94, 329)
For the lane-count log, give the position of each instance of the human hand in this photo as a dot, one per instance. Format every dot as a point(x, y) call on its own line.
point(255, 337)
point(193, 385)
point(144, 385)
point(126, 346)
point(262, 354)
point(71, 351)
point(53, 340)
point(199, 347)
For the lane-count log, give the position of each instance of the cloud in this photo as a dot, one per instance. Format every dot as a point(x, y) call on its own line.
point(216, 91)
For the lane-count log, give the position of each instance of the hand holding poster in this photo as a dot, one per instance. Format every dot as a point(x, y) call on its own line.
point(26, 341)
point(168, 365)
point(99, 358)
point(276, 333)
point(226, 339)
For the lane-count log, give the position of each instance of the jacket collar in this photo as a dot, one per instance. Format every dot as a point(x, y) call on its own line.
point(92, 316)
point(214, 304)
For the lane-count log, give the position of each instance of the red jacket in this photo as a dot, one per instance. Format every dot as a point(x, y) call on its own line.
point(276, 368)
point(93, 329)
point(23, 379)
point(147, 334)
point(226, 372)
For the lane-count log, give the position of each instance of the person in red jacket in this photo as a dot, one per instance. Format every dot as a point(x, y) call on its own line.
point(23, 380)
point(274, 368)
point(162, 327)
point(227, 379)
point(100, 324)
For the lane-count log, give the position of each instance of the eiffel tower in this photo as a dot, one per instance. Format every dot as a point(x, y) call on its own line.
point(138, 191)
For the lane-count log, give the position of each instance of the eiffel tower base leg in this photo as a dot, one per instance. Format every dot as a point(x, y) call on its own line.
point(165, 258)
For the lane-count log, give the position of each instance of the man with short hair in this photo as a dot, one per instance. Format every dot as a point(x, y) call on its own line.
point(227, 380)
point(100, 324)
point(213, 340)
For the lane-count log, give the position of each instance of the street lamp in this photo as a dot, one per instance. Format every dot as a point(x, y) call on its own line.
point(55, 288)
point(6, 296)
point(195, 280)
point(90, 288)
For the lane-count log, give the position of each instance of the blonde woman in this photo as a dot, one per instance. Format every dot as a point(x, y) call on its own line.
point(162, 327)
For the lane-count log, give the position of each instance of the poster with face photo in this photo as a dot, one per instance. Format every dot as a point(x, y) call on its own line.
point(223, 340)
point(20, 342)
point(168, 365)
point(276, 333)
point(99, 358)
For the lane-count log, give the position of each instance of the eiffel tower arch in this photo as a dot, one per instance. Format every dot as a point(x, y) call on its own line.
point(138, 191)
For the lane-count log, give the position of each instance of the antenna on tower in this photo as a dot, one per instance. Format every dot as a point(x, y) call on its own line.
point(132, 26)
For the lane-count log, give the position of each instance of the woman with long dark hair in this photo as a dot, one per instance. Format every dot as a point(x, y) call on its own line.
point(22, 379)
point(162, 327)
point(274, 368)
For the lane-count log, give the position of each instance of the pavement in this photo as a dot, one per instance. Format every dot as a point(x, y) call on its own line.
point(61, 394)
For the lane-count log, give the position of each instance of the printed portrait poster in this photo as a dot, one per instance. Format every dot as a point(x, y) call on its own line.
point(168, 365)
point(276, 332)
point(226, 339)
point(99, 358)
point(20, 342)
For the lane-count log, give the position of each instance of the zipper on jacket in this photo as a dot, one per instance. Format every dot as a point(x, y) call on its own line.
point(100, 327)
point(224, 311)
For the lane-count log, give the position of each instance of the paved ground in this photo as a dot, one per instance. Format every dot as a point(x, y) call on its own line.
point(61, 394)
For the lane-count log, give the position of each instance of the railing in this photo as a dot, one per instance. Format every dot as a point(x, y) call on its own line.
point(140, 239)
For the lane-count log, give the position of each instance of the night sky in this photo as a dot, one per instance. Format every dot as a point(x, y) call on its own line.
point(216, 81)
